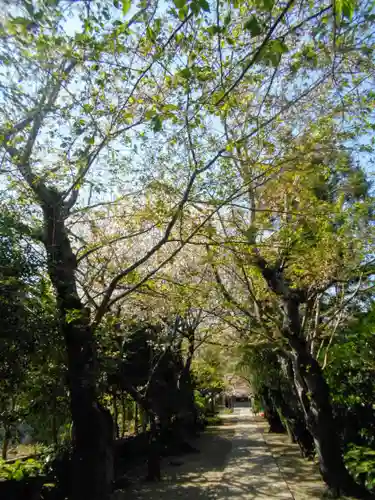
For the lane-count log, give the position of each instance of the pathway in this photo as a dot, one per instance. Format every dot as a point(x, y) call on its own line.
point(236, 463)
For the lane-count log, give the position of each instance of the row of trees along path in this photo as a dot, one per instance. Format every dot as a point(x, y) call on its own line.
point(193, 170)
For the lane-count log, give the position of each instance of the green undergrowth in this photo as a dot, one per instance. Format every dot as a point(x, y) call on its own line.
point(214, 420)
point(360, 460)
point(21, 469)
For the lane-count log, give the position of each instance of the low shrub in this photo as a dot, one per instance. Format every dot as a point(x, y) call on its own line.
point(21, 469)
point(360, 461)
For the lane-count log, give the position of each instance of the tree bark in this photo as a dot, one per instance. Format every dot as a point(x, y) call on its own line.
point(124, 414)
point(115, 415)
point(153, 462)
point(54, 428)
point(136, 417)
point(287, 401)
point(314, 395)
point(7, 436)
point(311, 386)
point(271, 413)
point(92, 446)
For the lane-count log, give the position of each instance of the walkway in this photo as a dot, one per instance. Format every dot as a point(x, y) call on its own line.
point(235, 462)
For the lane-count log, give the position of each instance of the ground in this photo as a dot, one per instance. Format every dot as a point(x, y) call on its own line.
point(237, 461)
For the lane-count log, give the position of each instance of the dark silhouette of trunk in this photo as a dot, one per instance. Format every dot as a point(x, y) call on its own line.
point(115, 414)
point(92, 455)
point(314, 396)
point(295, 425)
point(7, 436)
point(144, 419)
point(212, 403)
point(271, 413)
point(124, 414)
point(186, 389)
point(285, 398)
point(136, 417)
point(55, 436)
point(311, 386)
point(154, 453)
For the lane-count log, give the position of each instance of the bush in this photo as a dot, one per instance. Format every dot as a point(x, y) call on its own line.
point(213, 420)
point(200, 402)
point(360, 461)
point(20, 470)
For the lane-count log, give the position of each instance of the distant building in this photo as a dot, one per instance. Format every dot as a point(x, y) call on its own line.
point(237, 390)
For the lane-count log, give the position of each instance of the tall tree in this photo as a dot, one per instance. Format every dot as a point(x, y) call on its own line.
point(100, 101)
point(300, 263)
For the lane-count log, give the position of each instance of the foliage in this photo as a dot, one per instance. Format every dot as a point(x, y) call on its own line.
point(361, 463)
point(175, 176)
point(20, 470)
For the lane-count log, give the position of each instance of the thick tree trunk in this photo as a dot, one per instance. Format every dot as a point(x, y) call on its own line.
point(311, 386)
point(188, 409)
point(93, 431)
point(93, 438)
point(144, 419)
point(271, 414)
point(314, 395)
point(154, 453)
point(294, 420)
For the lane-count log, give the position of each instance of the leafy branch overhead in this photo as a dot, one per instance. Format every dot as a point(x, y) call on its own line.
point(190, 177)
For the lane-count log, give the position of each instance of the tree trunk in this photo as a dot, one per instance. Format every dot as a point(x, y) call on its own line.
point(294, 421)
point(153, 462)
point(212, 403)
point(115, 415)
point(311, 386)
point(144, 419)
point(92, 446)
point(54, 429)
point(7, 436)
point(124, 414)
point(93, 429)
point(314, 395)
point(136, 417)
point(271, 413)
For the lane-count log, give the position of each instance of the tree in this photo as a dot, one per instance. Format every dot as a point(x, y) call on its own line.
point(84, 110)
point(302, 264)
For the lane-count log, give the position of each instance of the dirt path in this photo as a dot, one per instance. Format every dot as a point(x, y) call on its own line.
point(237, 461)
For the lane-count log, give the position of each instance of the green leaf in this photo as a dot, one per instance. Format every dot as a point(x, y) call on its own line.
point(348, 7)
point(156, 124)
point(195, 7)
point(150, 34)
point(251, 234)
point(185, 73)
point(179, 3)
point(182, 14)
point(273, 52)
point(157, 25)
point(21, 20)
point(253, 26)
point(212, 30)
point(268, 5)
point(126, 4)
point(279, 47)
point(170, 107)
point(204, 5)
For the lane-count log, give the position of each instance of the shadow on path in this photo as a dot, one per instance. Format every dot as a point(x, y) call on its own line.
point(234, 463)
